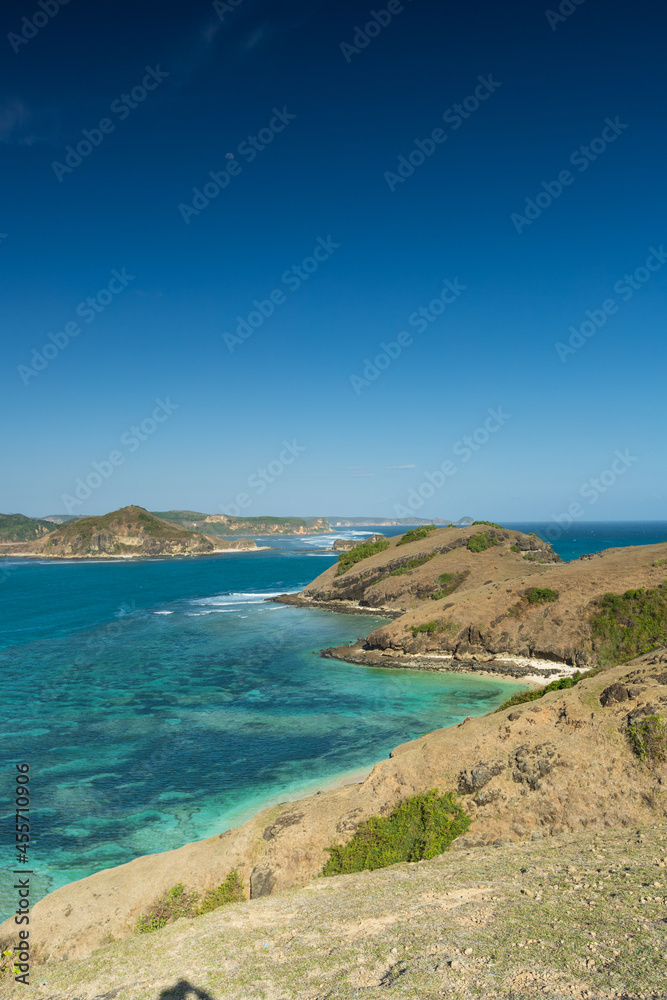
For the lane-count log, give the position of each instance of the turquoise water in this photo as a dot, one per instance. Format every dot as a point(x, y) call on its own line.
point(159, 702)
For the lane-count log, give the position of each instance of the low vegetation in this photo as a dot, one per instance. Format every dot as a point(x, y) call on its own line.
point(534, 557)
point(8, 965)
point(515, 548)
point(348, 559)
point(447, 584)
point(491, 524)
point(541, 595)
point(627, 625)
point(179, 902)
point(481, 542)
point(421, 827)
point(559, 685)
point(648, 739)
point(430, 628)
point(415, 534)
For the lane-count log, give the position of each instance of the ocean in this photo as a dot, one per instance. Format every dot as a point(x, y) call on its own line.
point(163, 701)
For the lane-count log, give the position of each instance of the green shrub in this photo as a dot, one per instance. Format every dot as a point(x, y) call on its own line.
point(479, 543)
point(491, 524)
point(515, 548)
point(230, 891)
point(534, 557)
point(648, 739)
point(660, 562)
point(178, 902)
point(429, 627)
point(421, 827)
point(359, 552)
point(541, 595)
point(415, 534)
point(627, 625)
point(560, 685)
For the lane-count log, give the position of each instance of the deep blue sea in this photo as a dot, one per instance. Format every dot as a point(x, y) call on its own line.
point(159, 702)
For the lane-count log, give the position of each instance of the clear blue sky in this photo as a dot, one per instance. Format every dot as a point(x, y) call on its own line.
point(199, 82)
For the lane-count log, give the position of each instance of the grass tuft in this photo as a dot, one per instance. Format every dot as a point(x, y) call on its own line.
point(648, 739)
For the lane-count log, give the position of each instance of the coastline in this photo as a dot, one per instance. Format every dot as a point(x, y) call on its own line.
point(536, 672)
point(531, 671)
point(128, 556)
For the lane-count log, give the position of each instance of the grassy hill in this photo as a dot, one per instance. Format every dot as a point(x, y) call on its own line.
point(18, 528)
point(483, 594)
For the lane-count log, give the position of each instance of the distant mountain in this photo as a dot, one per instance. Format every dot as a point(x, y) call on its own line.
point(465, 522)
point(19, 528)
point(385, 522)
point(131, 531)
point(224, 525)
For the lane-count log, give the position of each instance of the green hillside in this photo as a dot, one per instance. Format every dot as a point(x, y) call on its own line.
point(19, 528)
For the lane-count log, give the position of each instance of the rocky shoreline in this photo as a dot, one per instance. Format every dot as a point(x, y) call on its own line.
point(540, 672)
point(534, 671)
point(340, 607)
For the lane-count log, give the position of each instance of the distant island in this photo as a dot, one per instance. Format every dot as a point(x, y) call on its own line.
point(130, 532)
point(223, 524)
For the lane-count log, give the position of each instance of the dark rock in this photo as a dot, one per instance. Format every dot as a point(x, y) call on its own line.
point(262, 881)
point(613, 694)
point(283, 821)
point(478, 776)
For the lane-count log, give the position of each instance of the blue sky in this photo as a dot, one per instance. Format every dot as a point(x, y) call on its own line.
point(335, 113)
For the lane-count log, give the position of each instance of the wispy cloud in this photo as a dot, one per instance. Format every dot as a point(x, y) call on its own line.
point(22, 126)
point(400, 466)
